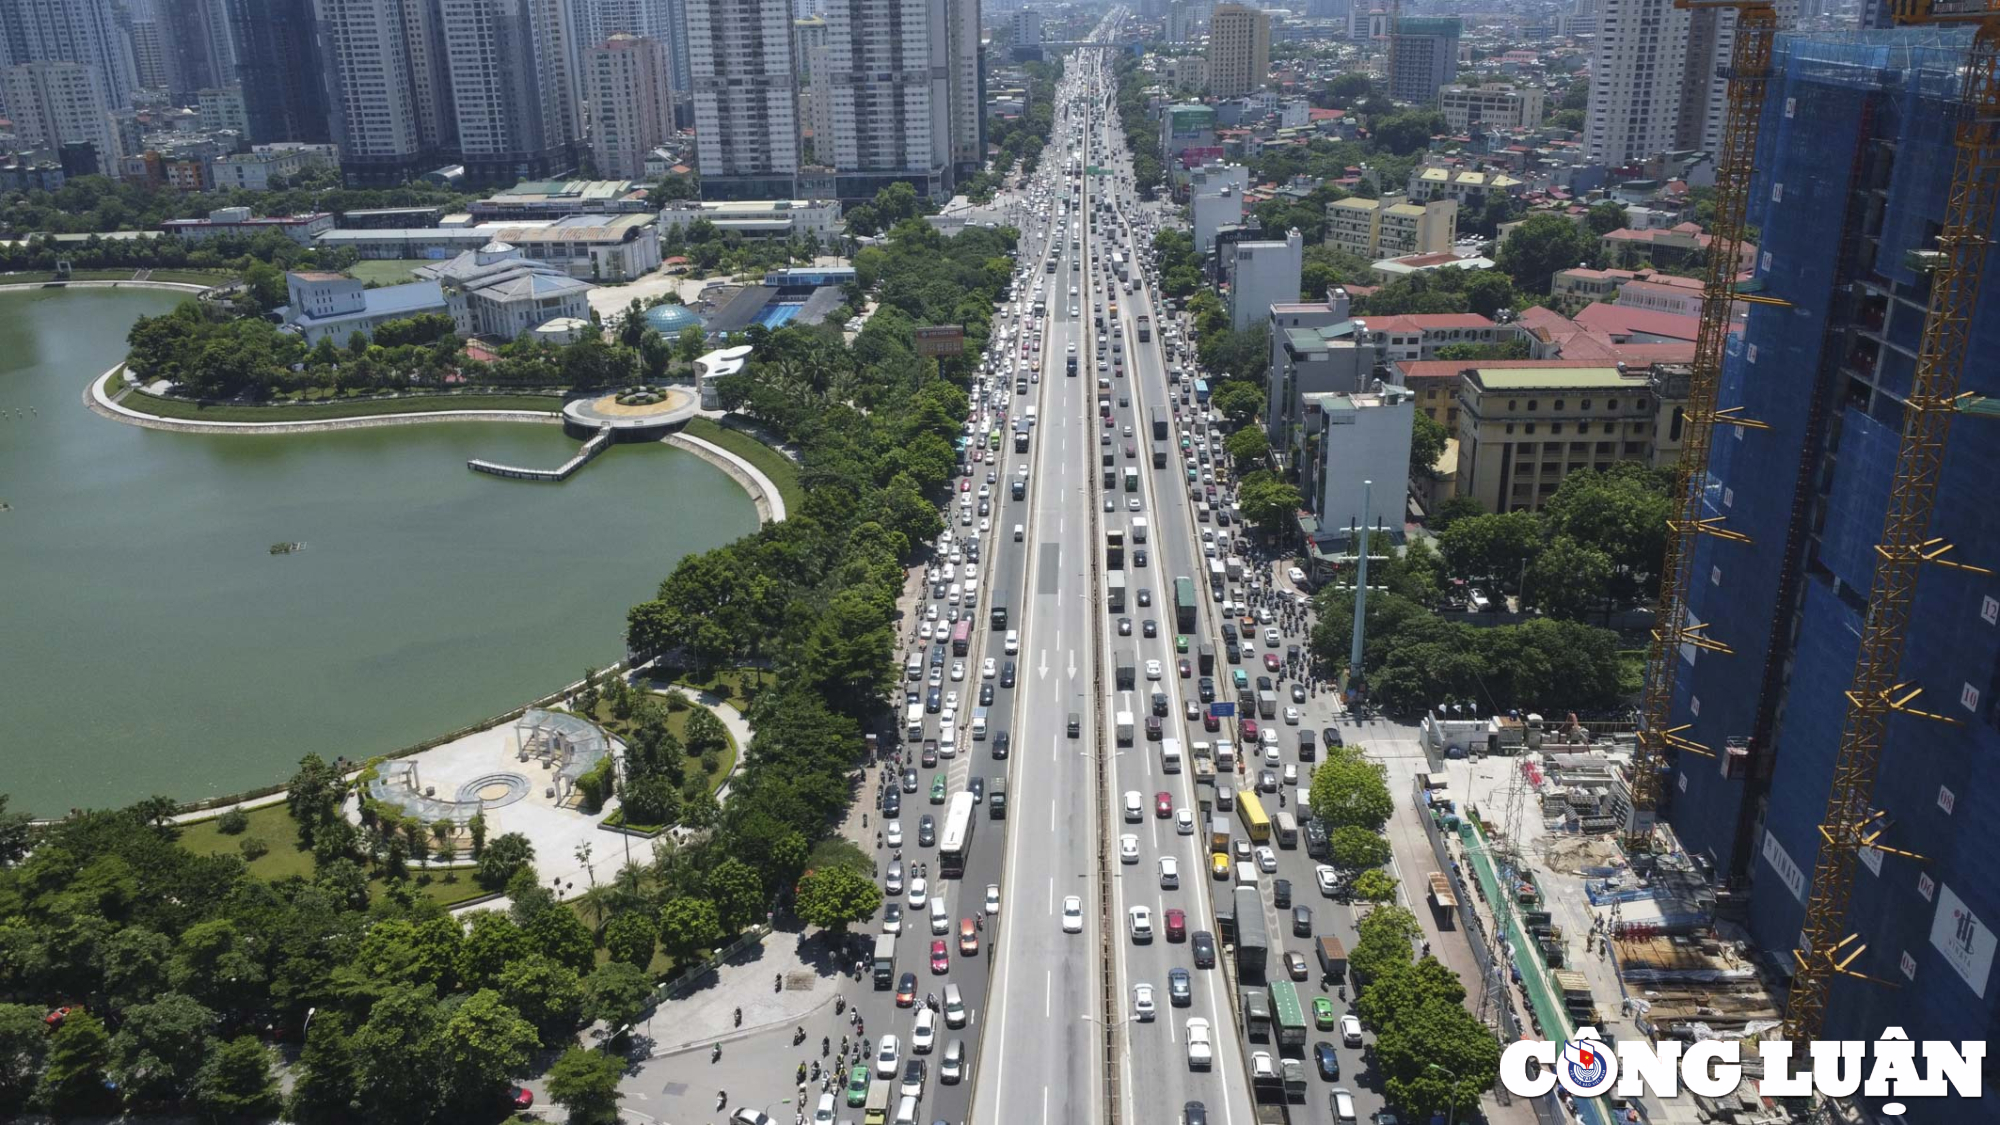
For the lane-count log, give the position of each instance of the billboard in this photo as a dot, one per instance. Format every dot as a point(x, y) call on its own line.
point(941, 340)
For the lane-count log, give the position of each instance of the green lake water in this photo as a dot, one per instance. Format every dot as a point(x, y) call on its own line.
point(150, 643)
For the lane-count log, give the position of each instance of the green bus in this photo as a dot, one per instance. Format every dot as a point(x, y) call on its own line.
point(1286, 1014)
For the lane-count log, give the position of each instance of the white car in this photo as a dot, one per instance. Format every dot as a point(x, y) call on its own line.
point(1134, 808)
point(1128, 848)
point(892, 917)
point(1142, 924)
point(989, 668)
point(1291, 773)
point(1201, 1054)
point(957, 670)
point(1184, 821)
point(924, 631)
point(887, 1056)
point(1013, 641)
point(1170, 873)
point(1072, 915)
point(1267, 860)
point(986, 523)
point(1327, 879)
point(1143, 1008)
point(1270, 638)
point(893, 833)
point(917, 893)
point(931, 612)
point(1350, 1030)
point(1261, 1066)
point(1291, 716)
point(925, 1036)
point(992, 898)
point(1271, 757)
point(1152, 669)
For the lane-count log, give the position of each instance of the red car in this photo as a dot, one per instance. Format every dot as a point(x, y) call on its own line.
point(968, 938)
point(1176, 925)
point(1271, 663)
point(1249, 730)
point(54, 1019)
point(1163, 804)
point(1209, 721)
point(965, 486)
point(520, 1097)
point(940, 960)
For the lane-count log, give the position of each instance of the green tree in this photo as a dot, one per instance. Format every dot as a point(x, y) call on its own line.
point(631, 937)
point(705, 733)
point(236, 1081)
point(1541, 245)
point(585, 1082)
point(160, 1046)
point(399, 1055)
point(502, 857)
point(484, 1044)
point(1405, 988)
point(546, 993)
point(1348, 790)
point(492, 942)
point(1427, 443)
point(836, 897)
point(314, 795)
point(1567, 579)
point(1453, 509)
point(1356, 848)
point(16, 834)
point(556, 932)
point(1623, 513)
point(1247, 446)
point(689, 927)
point(1606, 217)
point(1437, 1058)
point(1269, 504)
point(1383, 942)
point(1491, 549)
point(738, 894)
point(327, 1074)
point(72, 1083)
point(616, 993)
point(1375, 885)
point(849, 650)
point(1237, 400)
point(24, 1043)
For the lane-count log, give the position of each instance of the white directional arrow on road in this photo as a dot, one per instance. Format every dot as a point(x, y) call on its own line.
point(1072, 664)
point(1043, 671)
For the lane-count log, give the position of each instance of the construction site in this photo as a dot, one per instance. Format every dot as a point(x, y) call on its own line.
point(1792, 842)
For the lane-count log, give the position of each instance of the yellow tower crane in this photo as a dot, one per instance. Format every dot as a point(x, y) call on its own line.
point(1659, 738)
point(1851, 824)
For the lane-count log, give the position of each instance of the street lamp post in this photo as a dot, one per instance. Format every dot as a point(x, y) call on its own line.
point(1451, 1110)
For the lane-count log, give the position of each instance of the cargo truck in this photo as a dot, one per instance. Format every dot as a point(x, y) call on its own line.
point(1131, 479)
point(1256, 1007)
point(1267, 704)
point(1218, 835)
point(1288, 1016)
point(1114, 591)
point(1444, 904)
point(1159, 455)
point(885, 961)
point(1127, 672)
point(1252, 946)
point(1114, 548)
point(1332, 958)
point(1159, 423)
point(1124, 728)
point(1139, 529)
point(1170, 755)
point(1145, 328)
point(1184, 607)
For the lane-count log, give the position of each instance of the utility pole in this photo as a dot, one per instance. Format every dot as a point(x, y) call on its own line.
point(1360, 593)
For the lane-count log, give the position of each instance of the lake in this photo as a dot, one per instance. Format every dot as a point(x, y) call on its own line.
point(153, 644)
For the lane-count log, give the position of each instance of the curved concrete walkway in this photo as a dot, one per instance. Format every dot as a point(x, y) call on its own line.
point(770, 505)
point(173, 286)
point(100, 402)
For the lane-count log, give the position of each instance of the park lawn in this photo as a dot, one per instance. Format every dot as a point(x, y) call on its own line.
point(274, 825)
point(738, 685)
point(770, 462)
point(677, 723)
point(187, 410)
point(386, 271)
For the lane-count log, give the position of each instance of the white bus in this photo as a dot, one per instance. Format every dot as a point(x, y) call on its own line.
point(956, 839)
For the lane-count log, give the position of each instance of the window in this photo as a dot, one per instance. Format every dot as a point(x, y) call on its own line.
point(1510, 427)
point(1533, 404)
point(1559, 404)
point(1585, 405)
point(1555, 427)
point(1531, 427)
point(1612, 405)
point(1512, 405)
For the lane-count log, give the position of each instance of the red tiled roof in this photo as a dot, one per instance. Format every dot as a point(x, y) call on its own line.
point(1614, 321)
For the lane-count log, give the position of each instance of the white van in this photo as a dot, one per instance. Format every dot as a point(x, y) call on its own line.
point(1246, 873)
point(979, 724)
point(954, 594)
point(1031, 415)
point(823, 1112)
point(913, 721)
point(940, 919)
point(906, 1111)
point(913, 668)
point(955, 1014)
point(1020, 533)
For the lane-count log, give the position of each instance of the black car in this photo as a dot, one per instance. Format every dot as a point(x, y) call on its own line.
point(1207, 689)
point(1154, 731)
point(1007, 674)
point(1264, 684)
point(1302, 919)
point(1326, 1060)
point(986, 694)
point(1180, 991)
point(892, 804)
point(977, 787)
point(1160, 704)
point(1151, 628)
point(1139, 559)
point(1145, 597)
point(1298, 692)
point(927, 831)
point(1267, 781)
point(1330, 736)
point(1194, 1113)
point(1204, 949)
point(1281, 893)
point(929, 757)
point(1000, 743)
point(909, 781)
point(1124, 626)
point(933, 701)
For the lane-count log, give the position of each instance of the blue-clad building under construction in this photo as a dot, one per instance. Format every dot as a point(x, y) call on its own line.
point(1854, 162)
